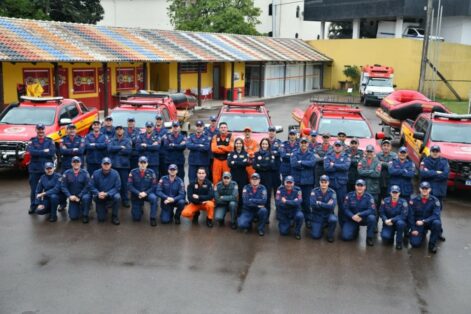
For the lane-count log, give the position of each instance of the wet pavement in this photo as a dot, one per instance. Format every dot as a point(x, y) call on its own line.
point(67, 267)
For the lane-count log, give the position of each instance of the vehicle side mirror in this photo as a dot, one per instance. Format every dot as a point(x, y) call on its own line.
point(363, 84)
point(379, 135)
point(278, 129)
point(168, 124)
point(419, 135)
point(307, 131)
point(65, 121)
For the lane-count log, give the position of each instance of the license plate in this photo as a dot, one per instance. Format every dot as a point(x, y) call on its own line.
point(468, 182)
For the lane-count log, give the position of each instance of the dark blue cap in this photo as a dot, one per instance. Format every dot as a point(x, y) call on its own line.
point(354, 140)
point(303, 140)
point(118, 127)
point(424, 185)
point(324, 178)
point(313, 133)
point(158, 116)
point(106, 160)
point(172, 167)
point(131, 119)
point(149, 124)
point(199, 123)
point(109, 118)
point(76, 158)
point(338, 143)
point(255, 176)
point(271, 129)
point(396, 189)
point(71, 126)
point(48, 165)
point(289, 179)
point(435, 148)
point(176, 123)
point(292, 132)
point(40, 126)
point(212, 118)
point(360, 182)
point(370, 148)
point(96, 122)
point(342, 133)
point(403, 149)
point(143, 159)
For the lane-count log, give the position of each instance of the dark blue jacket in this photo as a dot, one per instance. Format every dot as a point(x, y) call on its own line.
point(67, 149)
point(38, 156)
point(302, 167)
point(144, 182)
point(338, 173)
point(275, 147)
point(399, 212)
point(363, 206)
point(293, 198)
point(428, 211)
point(252, 198)
point(49, 184)
point(151, 150)
point(286, 151)
point(120, 157)
point(200, 148)
point(428, 172)
point(204, 191)
point(166, 188)
point(161, 132)
point(208, 132)
point(322, 205)
point(109, 182)
point(133, 134)
point(263, 161)
point(109, 133)
point(77, 185)
point(355, 157)
point(401, 174)
point(95, 153)
point(174, 148)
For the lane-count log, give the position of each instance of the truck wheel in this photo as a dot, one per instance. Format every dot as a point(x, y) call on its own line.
point(362, 99)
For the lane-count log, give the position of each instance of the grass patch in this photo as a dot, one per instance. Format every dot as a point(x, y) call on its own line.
point(460, 107)
point(344, 92)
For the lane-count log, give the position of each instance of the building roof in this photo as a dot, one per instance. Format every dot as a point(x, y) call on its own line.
point(24, 40)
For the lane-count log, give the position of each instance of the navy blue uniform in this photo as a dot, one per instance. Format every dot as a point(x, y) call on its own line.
point(142, 181)
point(323, 206)
point(289, 210)
point(338, 174)
point(401, 174)
point(50, 184)
point(238, 162)
point(438, 181)
point(133, 134)
point(175, 145)
point(120, 153)
point(71, 147)
point(109, 132)
point(364, 206)
point(264, 164)
point(175, 189)
point(321, 151)
point(209, 131)
point(110, 183)
point(397, 212)
point(275, 146)
point(200, 150)
point(286, 151)
point(302, 170)
point(77, 184)
point(163, 167)
point(428, 210)
point(253, 205)
point(151, 150)
point(96, 148)
point(36, 148)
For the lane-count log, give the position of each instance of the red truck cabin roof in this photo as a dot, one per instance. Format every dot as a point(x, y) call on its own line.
point(378, 70)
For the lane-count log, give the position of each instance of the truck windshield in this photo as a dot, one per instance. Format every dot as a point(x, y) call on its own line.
point(452, 133)
point(237, 123)
point(380, 82)
point(120, 117)
point(29, 115)
point(353, 128)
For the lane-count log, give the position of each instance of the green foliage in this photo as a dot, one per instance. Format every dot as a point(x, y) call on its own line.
point(353, 73)
point(77, 11)
point(218, 16)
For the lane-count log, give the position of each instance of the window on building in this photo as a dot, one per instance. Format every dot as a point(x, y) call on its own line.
point(270, 9)
point(193, 67)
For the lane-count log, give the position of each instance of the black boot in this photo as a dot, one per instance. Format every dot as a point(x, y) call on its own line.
point(153, 222)
point(209, 223)
point(369, 241)
point(195, 218)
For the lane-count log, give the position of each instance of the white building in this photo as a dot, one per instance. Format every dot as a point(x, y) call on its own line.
point(281, 18)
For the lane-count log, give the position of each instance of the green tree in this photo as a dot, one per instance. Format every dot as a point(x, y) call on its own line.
point(353, 72)
point(78, 11)
point(219, 16)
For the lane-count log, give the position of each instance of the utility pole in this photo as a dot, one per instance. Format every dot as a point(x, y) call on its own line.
point(423, 63)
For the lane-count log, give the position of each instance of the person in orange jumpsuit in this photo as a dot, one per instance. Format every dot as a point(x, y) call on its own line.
point(221, 145)
point(251, 147)
point(201, 197)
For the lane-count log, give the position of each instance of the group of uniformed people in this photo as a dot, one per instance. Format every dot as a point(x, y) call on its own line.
point(308, 180)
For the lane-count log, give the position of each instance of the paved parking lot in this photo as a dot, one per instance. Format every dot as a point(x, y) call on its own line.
point(68, 267)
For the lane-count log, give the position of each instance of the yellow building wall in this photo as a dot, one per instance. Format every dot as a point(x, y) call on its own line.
point(239, 67)
point(403, 55)
point(13, 75)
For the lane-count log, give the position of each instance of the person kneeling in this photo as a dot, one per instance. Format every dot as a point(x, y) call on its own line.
point(200, 196)
point(75, 186)
point(393, 212)
point(254, 198)
point(288, 207)
point(226, 194)
point(323, 202)
point(47, 192)
point(171, 191)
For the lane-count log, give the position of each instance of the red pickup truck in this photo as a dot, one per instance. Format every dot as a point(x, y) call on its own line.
point(18, 125)
point(452, 132)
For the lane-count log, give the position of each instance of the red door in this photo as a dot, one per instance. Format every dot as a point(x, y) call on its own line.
point(63, 83)
point(101, 88)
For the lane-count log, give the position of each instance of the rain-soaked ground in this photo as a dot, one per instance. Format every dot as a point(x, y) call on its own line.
point(68, 267)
